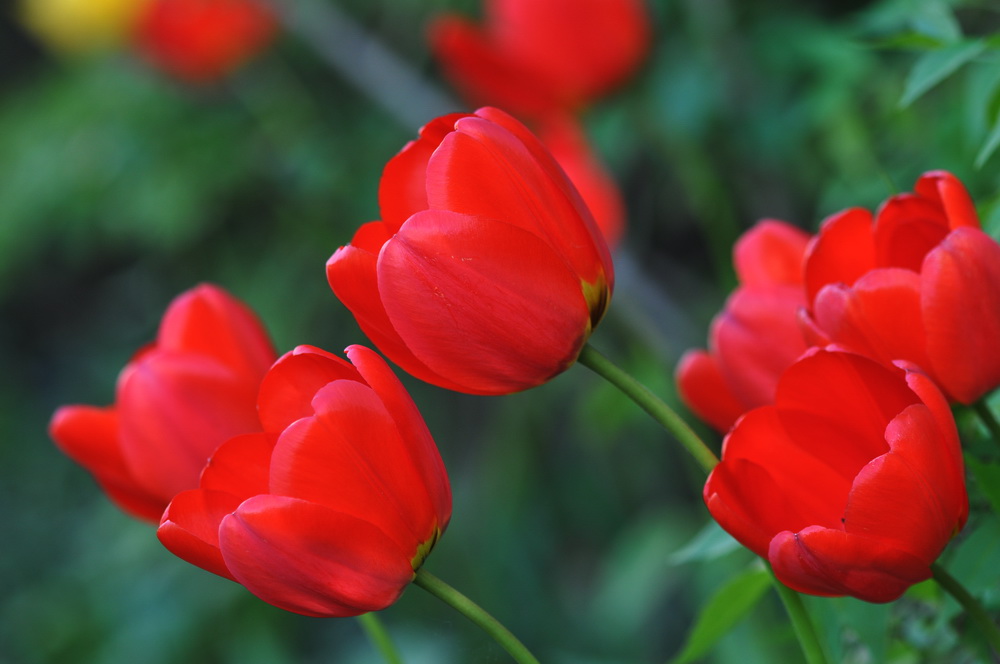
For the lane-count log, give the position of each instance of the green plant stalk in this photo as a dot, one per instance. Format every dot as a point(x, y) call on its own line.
point(476, 614)
point(591, 358)
point(805, 631)
point(989, 420)
point(379, 637)
point(987, 626)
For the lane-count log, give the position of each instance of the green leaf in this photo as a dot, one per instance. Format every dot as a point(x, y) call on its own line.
point(935, 66)
point(710, 543)
point(726, 607)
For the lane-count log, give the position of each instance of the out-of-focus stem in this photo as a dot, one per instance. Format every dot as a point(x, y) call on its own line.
point(986, 625)
point(380, 638)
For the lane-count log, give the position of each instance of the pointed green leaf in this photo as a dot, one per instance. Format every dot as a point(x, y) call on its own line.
point(935, 66)
point(725, 608)
point(710, 542)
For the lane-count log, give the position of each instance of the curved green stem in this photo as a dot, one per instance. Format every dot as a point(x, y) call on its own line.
point(987, 626)
point(476, 614)
point(380, 638)
point(988, 418)
point(591, 358)
point(805, 631)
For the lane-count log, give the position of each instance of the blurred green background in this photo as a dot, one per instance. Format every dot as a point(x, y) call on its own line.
point(573, 512)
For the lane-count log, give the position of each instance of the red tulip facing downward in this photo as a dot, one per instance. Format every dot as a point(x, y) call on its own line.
point(200, 41)
point(334, 507)
point(756, 336)
point(919, 281)
point(536, 57)
point(850, 484)
point(487, 273)
point(176, 401)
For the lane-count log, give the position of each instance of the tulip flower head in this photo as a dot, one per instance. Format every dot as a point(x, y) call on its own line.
point(851, 483)
point(537, 57)
point(332, 509)
point(487, 273)
point(756, 336)
point(200, 41)
point(176, 401)
point(918, 281)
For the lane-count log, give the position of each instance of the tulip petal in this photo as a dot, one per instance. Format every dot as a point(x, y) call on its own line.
point(772, 252)
point(207, 320)
point(190, 527)
point(878, 317)
point(413, 431)
point(843, 250)
point(565, 139)
point(484, 169)
point(240, 466)
point(911, 495)
point(758, 488)
point(826, 561)
point(352, 273)
point(312, 560)
point(288, 388)
point(89, 436)
point(351, 457)
point(704, 390)
point(945, 190)
point(755, 338)
point(402, 190)
point(175, 410)
point(906, 228)
point(828, 398)
point(960, 297)
point(497, 286)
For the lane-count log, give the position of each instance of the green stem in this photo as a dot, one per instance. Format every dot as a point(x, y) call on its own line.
point(805, 631)
point(380, 638)
point(987, 626)
point(989, 420)
point(591, 358)
point(476, 614)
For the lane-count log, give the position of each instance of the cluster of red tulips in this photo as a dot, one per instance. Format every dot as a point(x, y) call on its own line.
point(313, 481)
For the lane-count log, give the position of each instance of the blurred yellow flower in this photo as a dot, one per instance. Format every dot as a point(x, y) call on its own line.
point(78, 26)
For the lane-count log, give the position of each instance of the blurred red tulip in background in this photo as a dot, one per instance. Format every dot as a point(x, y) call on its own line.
point(176, 401)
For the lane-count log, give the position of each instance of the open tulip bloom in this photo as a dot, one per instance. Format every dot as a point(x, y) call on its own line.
point(918, 281)
point(536, 58)
point(487, 273)
point(176, 401)
point(334, 506)
point(851, 483)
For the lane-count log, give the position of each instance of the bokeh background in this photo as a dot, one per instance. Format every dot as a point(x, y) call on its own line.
point(577, 521)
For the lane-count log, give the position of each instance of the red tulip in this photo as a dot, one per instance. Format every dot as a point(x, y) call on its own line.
point(331, 510)
point(850, 484)
point(487, 273)
point(535, 57)
point(199, 41)
point(176, 401)
point(756, 336)
point(566, 140)
point(919, 282)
